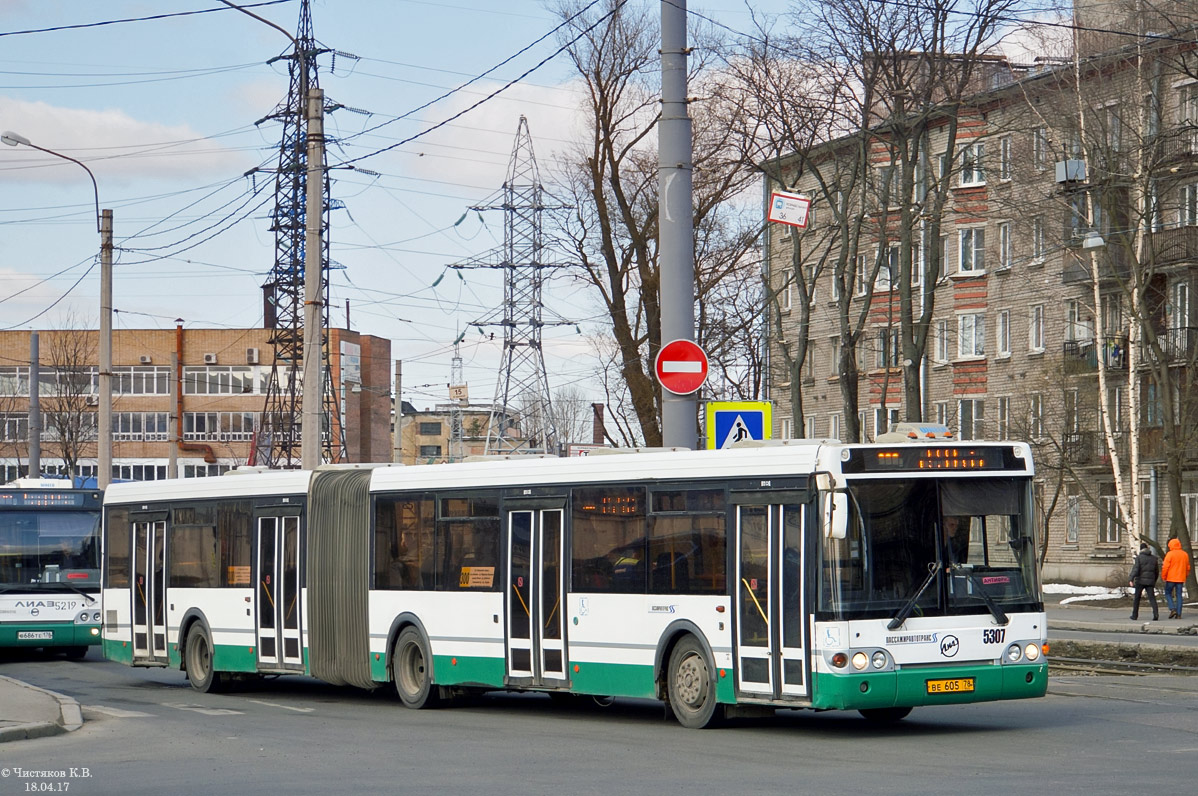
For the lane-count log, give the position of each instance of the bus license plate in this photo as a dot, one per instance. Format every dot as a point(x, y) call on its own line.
point(35, 635)
point(956, 685)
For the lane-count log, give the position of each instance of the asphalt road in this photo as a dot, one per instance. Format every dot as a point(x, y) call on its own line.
point(147, 732)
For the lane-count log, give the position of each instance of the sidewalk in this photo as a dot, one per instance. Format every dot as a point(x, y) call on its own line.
point(30, 712)
point(27, 711)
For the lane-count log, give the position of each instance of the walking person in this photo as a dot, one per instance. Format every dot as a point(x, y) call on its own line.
point(1174, 570)
point(1143, 576)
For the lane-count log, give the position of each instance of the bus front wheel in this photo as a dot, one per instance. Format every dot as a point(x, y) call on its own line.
point(692, 687)
point(199, 661)
point(409, 665)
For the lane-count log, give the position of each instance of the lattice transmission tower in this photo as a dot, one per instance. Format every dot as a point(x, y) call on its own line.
point(279, 437)
point(522, 419)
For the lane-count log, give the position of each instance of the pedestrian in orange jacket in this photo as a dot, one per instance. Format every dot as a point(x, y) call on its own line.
point(1174, 570)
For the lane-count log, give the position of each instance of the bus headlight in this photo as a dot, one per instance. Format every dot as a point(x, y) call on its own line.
point(879, 660)
point(860, 659)
point(1014, 653)
point(1032, 652)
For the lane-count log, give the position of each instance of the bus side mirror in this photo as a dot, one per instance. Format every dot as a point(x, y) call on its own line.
point(834, 514)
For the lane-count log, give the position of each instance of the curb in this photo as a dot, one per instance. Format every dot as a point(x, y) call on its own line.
point(70, 717)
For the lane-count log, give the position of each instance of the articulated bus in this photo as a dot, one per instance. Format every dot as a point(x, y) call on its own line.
point(49, 566)
point(816, 575)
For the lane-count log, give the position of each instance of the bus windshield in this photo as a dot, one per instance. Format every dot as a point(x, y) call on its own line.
point(53, 551)
point(932, 547)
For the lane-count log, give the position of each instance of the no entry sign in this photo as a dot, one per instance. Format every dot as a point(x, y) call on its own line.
point(681, 367)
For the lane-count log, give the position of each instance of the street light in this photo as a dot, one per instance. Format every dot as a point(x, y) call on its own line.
point(104, 227)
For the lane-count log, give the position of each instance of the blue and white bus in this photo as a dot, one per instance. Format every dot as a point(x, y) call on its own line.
point(875, 578)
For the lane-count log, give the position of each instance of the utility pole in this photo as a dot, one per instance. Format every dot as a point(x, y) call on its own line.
point(313, 387)
point(104, 425)
point(397, 441)
point(35, 406)
point(679, 413)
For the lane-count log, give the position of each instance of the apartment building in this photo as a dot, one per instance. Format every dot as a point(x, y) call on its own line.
point(1048, 261)
point(216, 388)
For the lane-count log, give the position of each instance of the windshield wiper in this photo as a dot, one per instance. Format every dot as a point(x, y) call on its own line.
point(995, 611)
point(48, 587)
point(909, 606)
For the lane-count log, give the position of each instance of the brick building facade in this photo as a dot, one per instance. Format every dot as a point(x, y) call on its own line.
point(220, 389)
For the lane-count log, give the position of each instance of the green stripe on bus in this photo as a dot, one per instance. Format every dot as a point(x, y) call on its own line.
point(119, 651)
point(468, 670)
point(612, 679)
point(63, 635)
point(909, 687)
point(234, 658)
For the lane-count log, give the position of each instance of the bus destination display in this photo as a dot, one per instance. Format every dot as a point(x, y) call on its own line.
point(49, 499)
point(921, 458)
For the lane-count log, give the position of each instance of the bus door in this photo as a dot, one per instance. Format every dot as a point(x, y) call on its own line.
point(770, 600)
point(149, 590)
point(535, 600)
point(277, 594)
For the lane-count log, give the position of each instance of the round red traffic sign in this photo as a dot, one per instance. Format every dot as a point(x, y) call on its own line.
point(681, 367)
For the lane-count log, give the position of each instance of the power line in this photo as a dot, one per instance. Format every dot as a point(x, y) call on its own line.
point(154, 17)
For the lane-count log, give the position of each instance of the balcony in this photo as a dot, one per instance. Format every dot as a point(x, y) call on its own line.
point(1081, 356)
point(1180, 344)
point(1177, 148)
point(1079, 446)
point(1177, 245)
point(1113, 262)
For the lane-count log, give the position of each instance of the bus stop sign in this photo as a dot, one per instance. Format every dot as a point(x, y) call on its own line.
point(681, 367)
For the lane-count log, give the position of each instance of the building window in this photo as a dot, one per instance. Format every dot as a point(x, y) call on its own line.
point(1004, 418)
point(862, 429)
point(884, 419)
point(810, 424)
point(141, 380)
point(970, 416)
point(941, 352)
point(1152, 406)
point(1078, 324)
point(1004, 333)
point(1035, 416)
point(942, 417)
point(784, 291)
point(1110, 520)
point(973, 250)
point(834, 429)
point(219, 380)
point(427, 429)
point(971, 335)
point(1004, 245)
point(1035, 329)
point(1040, 148)
point(889, 347)
point(1073, 516)
point(1187, 215)
point(1004, 157)
point(1038, 239)
point(14, 427)
point(972, 172)
point(862, 273)
point(430, 451)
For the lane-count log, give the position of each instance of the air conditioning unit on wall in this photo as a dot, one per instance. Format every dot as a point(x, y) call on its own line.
point(209, 359)
point(251, 356)
point(92, 400)
point(145, 359)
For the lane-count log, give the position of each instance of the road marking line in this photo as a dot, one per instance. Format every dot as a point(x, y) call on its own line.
point(284, 707)
point(204, 710)
point(118, 713)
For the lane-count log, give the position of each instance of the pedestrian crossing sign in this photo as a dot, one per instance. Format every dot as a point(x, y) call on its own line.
point(729, 422)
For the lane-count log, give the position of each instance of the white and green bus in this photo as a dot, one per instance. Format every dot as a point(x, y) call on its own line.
point(815, 575)
point(49, 566)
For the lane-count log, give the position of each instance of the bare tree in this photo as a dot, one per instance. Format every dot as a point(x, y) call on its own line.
point(612, 179)
point(69, 394)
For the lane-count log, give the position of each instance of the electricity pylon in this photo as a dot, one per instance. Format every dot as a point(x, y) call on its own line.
point(279, 437)
point(530, 427)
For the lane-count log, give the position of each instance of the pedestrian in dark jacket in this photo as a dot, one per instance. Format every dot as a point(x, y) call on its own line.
point(1143, 576)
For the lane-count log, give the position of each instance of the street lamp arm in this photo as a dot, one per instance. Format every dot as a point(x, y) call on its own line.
point(262, 19)
point(12, 139)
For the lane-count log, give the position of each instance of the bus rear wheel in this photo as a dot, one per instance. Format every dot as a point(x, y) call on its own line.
point(692, 687)
point(199, 661)
point(409, 666)
point(884, 715)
